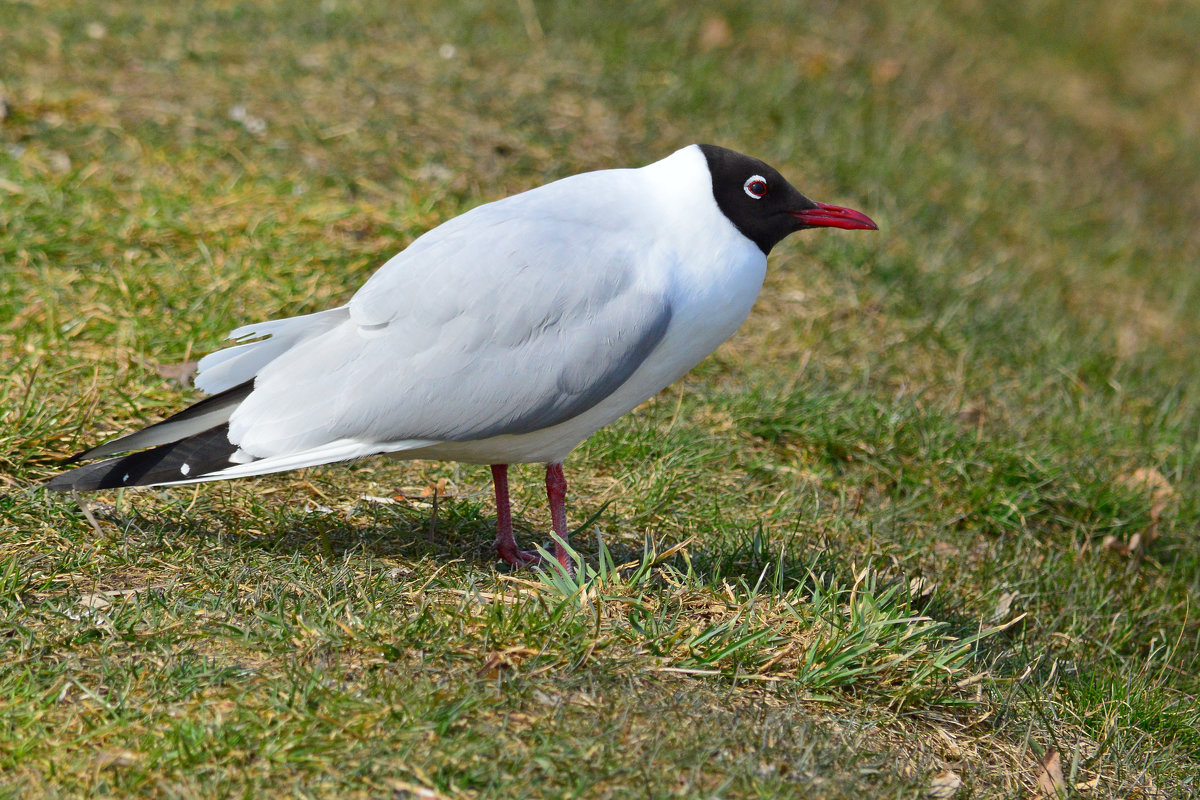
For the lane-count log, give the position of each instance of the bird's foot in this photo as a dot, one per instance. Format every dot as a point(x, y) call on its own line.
point(515, 557)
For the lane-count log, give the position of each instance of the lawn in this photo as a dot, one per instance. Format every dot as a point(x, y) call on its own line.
point(926, 526)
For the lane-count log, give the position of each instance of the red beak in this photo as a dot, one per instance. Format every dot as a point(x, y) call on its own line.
point(826, 216)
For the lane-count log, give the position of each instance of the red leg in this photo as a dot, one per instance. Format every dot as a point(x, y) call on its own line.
point(506, 542)
point(556, 492)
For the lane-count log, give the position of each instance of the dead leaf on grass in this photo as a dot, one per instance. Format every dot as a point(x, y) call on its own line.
point(116, 757)
point(439, 489)
point(379, 501)
point(404, 789)
point(499, 661)
point(1151, 481)
point(715, 33)
point(885, 71)
point(1050, 774)
point(425, 493)
point(921, 589)
point(1004, 605)
point(945, 549)
point(96, 602)
point(944, 785)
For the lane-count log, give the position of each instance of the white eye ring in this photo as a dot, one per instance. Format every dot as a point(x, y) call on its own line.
point(755, 186)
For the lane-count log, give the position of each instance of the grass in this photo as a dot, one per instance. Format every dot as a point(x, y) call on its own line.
point(880, 536)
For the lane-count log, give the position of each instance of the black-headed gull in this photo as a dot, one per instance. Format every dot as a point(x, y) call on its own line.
point(506, 335)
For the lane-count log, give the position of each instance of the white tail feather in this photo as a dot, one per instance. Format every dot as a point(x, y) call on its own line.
point(234, 365)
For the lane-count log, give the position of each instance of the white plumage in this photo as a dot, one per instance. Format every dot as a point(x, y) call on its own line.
point(508, 334)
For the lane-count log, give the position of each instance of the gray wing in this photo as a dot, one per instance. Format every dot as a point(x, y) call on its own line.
point(497, 322)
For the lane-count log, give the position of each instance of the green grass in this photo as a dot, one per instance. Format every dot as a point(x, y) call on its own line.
point(876, 537)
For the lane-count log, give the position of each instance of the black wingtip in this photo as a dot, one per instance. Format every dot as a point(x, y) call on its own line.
point(54, 484)
point(177, 462)
point(57, 484)
point(205, 414)
point(61, 482)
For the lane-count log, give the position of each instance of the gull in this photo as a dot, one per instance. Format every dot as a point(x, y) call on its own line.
point(508, 334)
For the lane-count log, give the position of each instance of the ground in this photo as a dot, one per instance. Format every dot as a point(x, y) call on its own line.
point(925, 526)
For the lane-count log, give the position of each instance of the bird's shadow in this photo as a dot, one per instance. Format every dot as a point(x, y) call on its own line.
point(441, 530)
point(462, 529)
point(459, 529)
point(447, 529)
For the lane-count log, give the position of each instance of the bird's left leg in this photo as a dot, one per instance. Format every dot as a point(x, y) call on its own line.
point(506, 542)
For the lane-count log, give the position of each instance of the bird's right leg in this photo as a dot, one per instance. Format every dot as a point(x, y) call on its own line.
point(506, 542)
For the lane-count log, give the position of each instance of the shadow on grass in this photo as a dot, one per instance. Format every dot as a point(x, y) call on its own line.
point(395, 529)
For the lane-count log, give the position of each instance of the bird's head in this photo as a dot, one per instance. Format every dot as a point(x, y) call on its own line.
point(764, 206)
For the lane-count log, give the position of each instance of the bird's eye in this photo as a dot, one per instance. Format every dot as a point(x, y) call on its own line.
point(756, 186)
